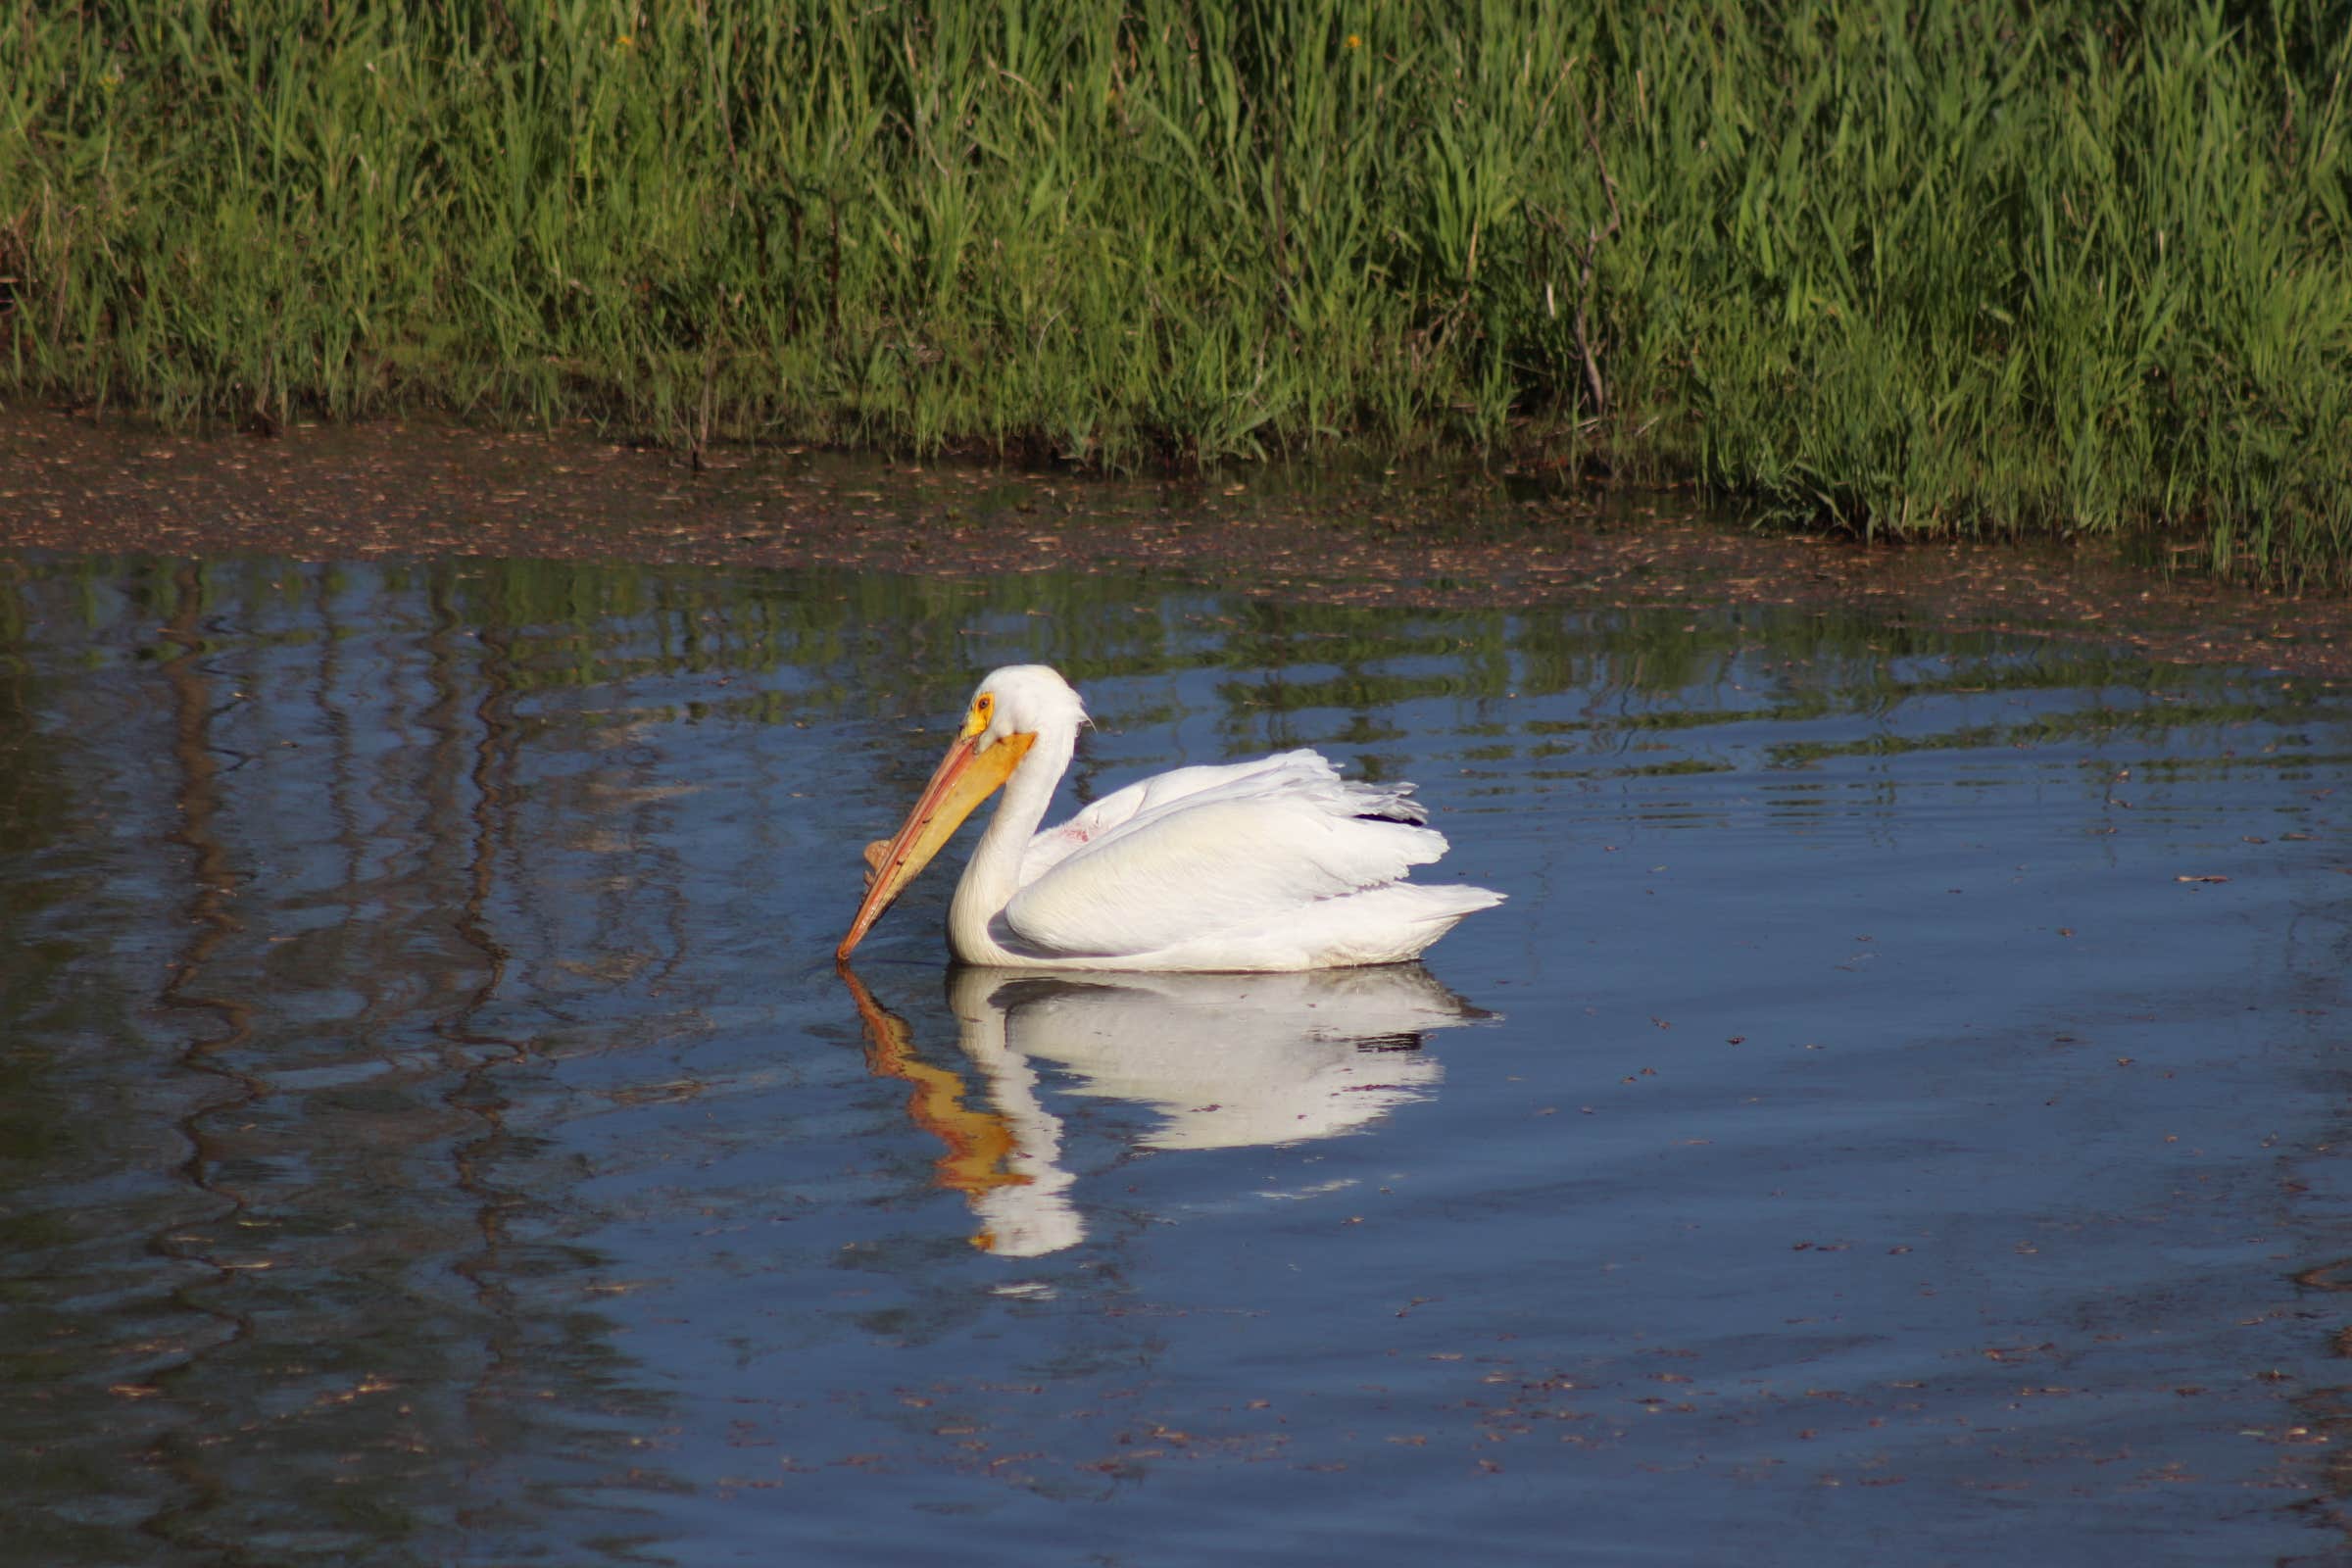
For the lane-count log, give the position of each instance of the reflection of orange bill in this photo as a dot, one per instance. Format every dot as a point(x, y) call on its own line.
point(964, 777)
point(980, 1143)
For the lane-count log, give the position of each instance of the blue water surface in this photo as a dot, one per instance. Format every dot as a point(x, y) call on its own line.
point(1897, 1118)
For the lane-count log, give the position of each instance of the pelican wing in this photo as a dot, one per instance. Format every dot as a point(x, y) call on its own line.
point(1121, 806)
point(1263, 842)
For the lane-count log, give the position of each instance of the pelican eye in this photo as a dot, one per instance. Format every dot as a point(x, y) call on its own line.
point(983, 708)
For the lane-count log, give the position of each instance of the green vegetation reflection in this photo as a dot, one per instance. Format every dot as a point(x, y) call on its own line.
point(828, 646)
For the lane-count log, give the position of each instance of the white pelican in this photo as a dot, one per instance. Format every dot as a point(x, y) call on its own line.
point(1265, 866)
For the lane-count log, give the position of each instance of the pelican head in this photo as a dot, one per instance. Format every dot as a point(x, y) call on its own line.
point(1010, 710)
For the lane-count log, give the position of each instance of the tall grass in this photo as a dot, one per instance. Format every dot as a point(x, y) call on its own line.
point(1914, 268)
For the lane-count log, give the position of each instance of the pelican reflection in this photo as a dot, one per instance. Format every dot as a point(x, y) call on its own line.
point(1222, 1060)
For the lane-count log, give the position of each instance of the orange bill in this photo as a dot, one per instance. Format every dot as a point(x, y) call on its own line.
point(964, 777)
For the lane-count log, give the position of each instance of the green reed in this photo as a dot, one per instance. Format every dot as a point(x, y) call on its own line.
point(1912, 268)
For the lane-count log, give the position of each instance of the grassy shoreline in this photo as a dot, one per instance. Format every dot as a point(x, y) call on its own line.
point(1915, 269)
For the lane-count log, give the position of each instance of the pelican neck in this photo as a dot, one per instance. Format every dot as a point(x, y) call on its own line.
point(994, 875)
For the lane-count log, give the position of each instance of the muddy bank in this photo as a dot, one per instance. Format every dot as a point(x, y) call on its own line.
point(1438, 538)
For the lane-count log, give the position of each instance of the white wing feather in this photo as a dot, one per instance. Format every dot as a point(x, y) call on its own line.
point(1050, 847)
point(1213, 849)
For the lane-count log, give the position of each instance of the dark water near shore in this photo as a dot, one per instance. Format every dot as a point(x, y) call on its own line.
point(1897, 1117)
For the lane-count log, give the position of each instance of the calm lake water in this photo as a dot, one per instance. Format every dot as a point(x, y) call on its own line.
point(1898, 1117)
